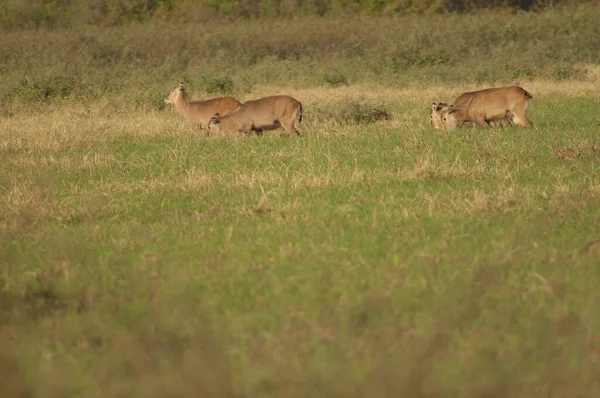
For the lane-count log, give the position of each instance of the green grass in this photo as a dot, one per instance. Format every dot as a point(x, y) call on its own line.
point(387, 259)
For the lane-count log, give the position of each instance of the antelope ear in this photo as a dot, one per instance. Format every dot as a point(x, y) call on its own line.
point(213, 120)
point(434, 107)
point(216, 115)
point(451, 109)
point(181, 87)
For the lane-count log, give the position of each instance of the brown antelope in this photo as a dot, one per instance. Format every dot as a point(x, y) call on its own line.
point(487, 105)
point(267, 113)
point(439, 111)
point(198, 113)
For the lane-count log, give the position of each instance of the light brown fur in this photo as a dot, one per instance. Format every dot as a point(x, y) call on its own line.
point(439, 111)
point(198, 113)
point(485, 106)
point(267, 113)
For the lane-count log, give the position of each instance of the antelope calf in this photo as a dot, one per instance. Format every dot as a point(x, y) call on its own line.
point(267, 113)
point(198, 113)
point(438, 111)
point(485, 106)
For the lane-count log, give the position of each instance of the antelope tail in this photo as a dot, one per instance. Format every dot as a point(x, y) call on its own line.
point(299, 113)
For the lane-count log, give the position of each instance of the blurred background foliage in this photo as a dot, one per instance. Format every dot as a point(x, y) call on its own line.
point(136, 51)
point(53, 13)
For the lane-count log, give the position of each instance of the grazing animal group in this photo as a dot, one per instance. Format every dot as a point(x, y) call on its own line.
point(226, 114)
point(502, 104)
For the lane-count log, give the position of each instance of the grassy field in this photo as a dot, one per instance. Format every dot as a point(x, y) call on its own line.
point(143, 259)
point(369, 257)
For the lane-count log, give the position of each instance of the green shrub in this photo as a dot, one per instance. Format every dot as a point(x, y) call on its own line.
point(358, 112)
point(44, 90)
point(215, 84)
point(350, 112)
point(333, 78)
point(150, 100)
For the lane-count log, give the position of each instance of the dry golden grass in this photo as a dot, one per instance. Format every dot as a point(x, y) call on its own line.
point(65, 124)
point(58, 137)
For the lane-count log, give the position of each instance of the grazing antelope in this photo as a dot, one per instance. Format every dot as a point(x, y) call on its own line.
point(439, 111)
point(267, 113)
point(487, 105)
point(198, 113)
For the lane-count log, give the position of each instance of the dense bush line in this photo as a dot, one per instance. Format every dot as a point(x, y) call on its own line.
point(139, 64)
point(50, 13)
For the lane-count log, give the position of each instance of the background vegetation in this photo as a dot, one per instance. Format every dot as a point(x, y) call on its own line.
point(139, 63)
point(35, 13)
point(372, 256)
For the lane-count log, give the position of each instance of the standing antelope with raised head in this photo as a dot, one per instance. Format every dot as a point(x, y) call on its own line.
point(198, 113)
point(267, 113)
point(485, 106)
